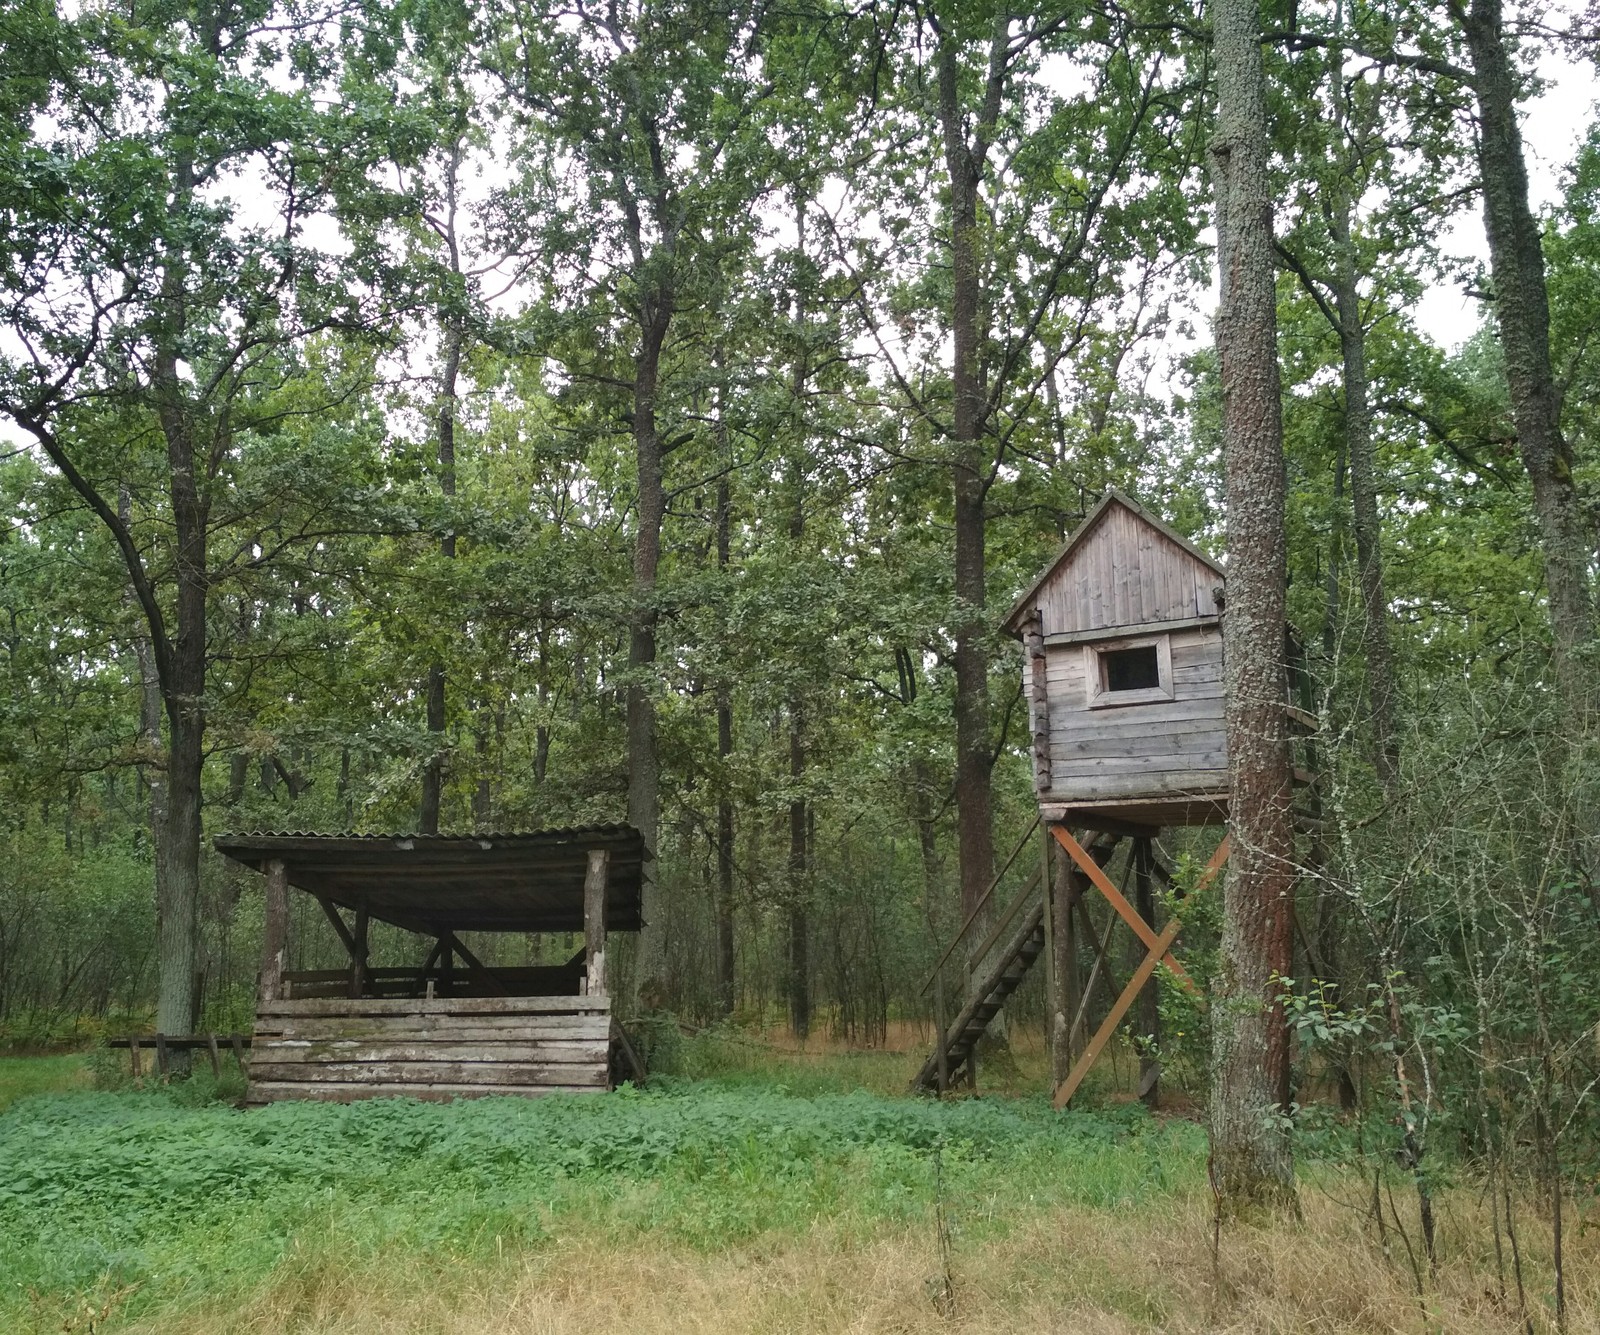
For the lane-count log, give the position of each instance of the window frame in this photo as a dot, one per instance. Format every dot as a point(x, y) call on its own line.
point(1098, 697)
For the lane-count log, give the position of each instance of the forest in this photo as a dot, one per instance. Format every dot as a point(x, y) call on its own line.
point(441, 418)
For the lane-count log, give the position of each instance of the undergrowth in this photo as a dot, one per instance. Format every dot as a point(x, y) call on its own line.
point(158, 1201)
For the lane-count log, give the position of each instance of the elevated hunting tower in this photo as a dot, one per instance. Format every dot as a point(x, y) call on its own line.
point(1123, 671)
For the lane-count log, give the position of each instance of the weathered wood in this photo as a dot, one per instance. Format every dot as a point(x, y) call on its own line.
point(274, 933)
point(478, 969)
point(479, 1029)
point(358, 954)
point(1108, 1026)
point(1114, 897)
point(446, 1049)
point(1039, 698)
point(336, 920)
point(434, 1073)
point(438, 1006)
point(594, 922)
point(216, 1063)
point(332, 1092)
point(133, 1056)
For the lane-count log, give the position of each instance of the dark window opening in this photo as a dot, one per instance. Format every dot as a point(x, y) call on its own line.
point(1131, 669)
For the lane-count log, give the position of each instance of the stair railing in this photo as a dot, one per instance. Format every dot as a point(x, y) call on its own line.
point(935, 979)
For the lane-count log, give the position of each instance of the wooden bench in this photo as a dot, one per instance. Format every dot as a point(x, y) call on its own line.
point(166, 1043)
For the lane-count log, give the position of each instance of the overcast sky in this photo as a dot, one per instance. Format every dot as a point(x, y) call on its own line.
point(1553, 125)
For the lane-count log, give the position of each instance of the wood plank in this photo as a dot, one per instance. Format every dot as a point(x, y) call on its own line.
point(1155, 714)
point(1071, 766)
point(1132, 789)
point(594, 923)
point(434, 1073)
point(488, 1029)
point(1105, 725)
point(366, 1050)
point(439, 1006)
point(275, 1091)
point(1197, 739)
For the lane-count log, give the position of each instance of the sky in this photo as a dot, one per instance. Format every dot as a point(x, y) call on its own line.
point(1553, 125)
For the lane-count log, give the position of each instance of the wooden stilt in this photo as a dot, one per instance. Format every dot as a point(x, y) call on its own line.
point(133, 1057)
point(216, 1062)
point(1149, 999)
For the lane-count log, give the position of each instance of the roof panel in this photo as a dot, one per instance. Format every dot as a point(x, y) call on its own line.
point(513, 882)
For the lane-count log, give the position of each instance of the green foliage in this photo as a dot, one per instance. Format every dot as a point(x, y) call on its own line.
point(103, 1191)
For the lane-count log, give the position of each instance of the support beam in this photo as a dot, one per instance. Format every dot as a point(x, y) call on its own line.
point(1144, 901)
point(274, 933)
point(337, 920)
point(1115, 898)
point(1108, 1027)
point(358, 954)
point(474, 965)
point(594, 921)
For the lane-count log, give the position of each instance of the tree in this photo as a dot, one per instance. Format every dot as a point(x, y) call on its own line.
point(1249, 1149)
point(146, 294)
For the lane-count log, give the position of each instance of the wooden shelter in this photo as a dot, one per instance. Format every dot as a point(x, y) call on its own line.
point(1123, 671)
point(1122, 637)
point(450, 1026)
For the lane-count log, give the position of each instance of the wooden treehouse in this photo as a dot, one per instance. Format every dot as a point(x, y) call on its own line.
point(449, 1026)
point(1122, 670)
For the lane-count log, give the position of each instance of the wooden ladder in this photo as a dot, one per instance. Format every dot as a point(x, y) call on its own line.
point(960, 1040)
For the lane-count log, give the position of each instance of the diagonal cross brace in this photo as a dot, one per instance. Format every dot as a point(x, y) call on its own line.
point(1114, 897)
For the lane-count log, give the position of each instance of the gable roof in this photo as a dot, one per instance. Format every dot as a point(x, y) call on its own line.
point(1015, 617)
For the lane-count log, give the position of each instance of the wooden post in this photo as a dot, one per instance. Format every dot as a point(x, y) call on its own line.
point(216, 1062)
point(1149, 999)
point(1039, 703)
point(274, 932)
point(594, 921)
point(938, 1020)
point(1047, 918)
point(358, 955)
point(133, 1057)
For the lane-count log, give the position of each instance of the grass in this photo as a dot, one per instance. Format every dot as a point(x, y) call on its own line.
point(782, 1201)
point(21, 1077)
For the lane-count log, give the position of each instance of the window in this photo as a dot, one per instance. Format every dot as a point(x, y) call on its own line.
point(1128, 672)
point(1130, 669)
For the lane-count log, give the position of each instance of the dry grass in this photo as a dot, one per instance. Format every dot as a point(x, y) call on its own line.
point(1100, 1272)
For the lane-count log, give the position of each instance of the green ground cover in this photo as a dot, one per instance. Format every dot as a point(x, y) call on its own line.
point(157, 1202)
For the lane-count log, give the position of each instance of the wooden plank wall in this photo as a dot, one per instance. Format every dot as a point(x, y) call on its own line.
point(1126, 573)
point(1155, 749)
point(442, 1048)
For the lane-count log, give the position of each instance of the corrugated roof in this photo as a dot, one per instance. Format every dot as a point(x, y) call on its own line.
point(530, 881)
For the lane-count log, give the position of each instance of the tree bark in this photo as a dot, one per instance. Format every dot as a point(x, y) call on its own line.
point(644, 762)
point(1364, 500)
point(964, 163)
point(1250, 1155)
point(1522, 308)
point(725, 961)
point(454, 343)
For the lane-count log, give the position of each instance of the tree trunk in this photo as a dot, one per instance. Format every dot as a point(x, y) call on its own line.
point(433, 770)
point(799, 878)
point(1522, 307)
point(1364, 500)
point(964, 163)
point(725, 976)
point(644, 763)
point(1250, 1155)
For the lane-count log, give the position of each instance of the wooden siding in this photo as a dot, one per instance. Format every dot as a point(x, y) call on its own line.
point(437, 1048)
point(1125, 572)
point(1157, 750)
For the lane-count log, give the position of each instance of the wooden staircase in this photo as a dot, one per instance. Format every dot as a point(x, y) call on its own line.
point(960, 1040)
